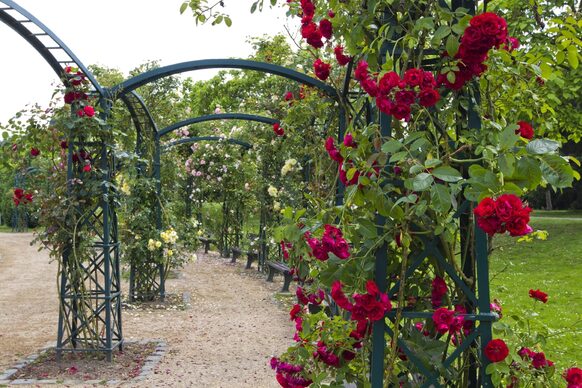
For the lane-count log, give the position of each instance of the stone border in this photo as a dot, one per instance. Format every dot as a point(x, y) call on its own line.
point(147, 368)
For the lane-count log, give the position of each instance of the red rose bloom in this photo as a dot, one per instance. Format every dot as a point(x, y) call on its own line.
point(279, 131)
point(490, 225)
point(539, 361)
point(443, 318)
point(486, 208)
point(89, 111)
point(331, 14)
point(34, 152)
point(518, 226)
point(496, 350)
point(573, 377)
point(341, 58)
point(349, 141)
point(87, 168)
point(339, 297)
point(326, 28)
point(438, 290)
point(413, 77)
point(405, 97)
point(491, 25)
point(401, 111)
point(525, 130)
point(369, 85)
point(389, 81)
point(538, 295)
point(321, 69)
point(428, 97)
point(361, 71)
point(344, 176)
point(294, 313)
point(332, 151)
point(526, 353)
point(506, 206)
point(384, 104)
point(288, 96)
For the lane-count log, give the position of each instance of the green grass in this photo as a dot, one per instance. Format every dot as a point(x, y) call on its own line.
point(557, 213)
point(555, 267)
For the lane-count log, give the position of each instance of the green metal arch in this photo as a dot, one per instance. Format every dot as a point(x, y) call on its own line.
point(196, 139)
point(215, 117)
point(155, 74)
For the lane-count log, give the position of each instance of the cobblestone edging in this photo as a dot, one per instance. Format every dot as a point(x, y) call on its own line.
point(147, 368)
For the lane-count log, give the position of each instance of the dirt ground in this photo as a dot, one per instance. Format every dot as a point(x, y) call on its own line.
point(225, 339)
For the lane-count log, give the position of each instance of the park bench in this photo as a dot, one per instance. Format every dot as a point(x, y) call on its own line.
point(252, 256)
point(206, 241)
point(282, 268)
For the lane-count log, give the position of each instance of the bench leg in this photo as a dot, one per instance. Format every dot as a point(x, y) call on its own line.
point(249, 262)
point(271, 274)
point(206, 247)
point(287, 282)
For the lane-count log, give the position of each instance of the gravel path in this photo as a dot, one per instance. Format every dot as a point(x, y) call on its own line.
point(225, 339)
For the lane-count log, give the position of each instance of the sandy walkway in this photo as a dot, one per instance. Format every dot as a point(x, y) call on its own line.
point(225, 339)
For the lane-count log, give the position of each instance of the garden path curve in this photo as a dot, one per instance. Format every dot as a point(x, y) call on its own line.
point(225, 338)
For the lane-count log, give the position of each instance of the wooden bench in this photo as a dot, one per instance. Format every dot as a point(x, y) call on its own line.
point(236, 253)
point(284, 270)
point(251, 256)
point(206, 241)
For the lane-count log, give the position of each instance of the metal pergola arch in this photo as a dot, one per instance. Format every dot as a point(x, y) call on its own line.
point(216, 117)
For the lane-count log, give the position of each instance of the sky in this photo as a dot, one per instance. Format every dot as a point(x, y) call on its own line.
point(122, 34)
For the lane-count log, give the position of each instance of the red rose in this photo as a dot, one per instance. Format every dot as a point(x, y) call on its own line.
point(518, 226)
point(496, 350)
point(428, 97)
point(344, 177)
point(384, 104)
point(438, 290)
point(279, 131)
point(413, 77)
point(331, 14)
point(89, 111)
point(301, 296)
point(525, 130)
point(341, 58)
point(321, 69)
point(326, 28)
point(369, 86)
point(401, 111)
point(539, 361)
point(308, 8)
point(490, 225)
point(526, 353)
point(405, 97)
point(339, 297)
point(491, 25)
point(294, 313)
point(288, 96)
point(573, 377)
point(389, 81)
point(349, 141)
point(472, 37)
point(507, 206)
point(64, 144)
point(443, 318)
point(87, 168)
point(361, 71)
point(538, 295)
point(332, 151)
point(486, 208)
point(34, 152)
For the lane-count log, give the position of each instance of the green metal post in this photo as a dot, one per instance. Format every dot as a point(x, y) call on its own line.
point(159, 224)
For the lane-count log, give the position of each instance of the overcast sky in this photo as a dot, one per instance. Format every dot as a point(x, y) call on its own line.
point(122, 34)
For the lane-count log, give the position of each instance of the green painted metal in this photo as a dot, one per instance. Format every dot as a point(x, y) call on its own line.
point(217, 117)
point(196, 139)
point(155, 74)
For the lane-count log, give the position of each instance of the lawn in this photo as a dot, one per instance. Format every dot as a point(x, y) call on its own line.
point(555, 267)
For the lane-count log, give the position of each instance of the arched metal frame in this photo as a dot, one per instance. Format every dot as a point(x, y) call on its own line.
point(195, 139)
